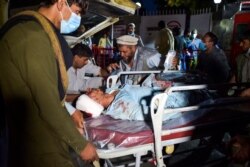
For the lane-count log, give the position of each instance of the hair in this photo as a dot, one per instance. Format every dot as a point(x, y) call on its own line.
point(81, 50)
point(186, 31)
point(245, 35)
point(212, 36)
point(83, 4)
point(176, 31)
point(161, 24)
point(194, 31)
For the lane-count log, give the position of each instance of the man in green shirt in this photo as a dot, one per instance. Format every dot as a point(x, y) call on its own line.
point(33, 81)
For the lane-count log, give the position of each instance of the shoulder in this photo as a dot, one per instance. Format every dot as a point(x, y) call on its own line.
point(71, 69)
point(240, 58)
point(27, 29)
point(30, 36)
point(147, 50)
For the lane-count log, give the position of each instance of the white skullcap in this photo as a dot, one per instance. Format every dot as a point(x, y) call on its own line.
point(127, 40)
point(85, 103)
point(131, 24)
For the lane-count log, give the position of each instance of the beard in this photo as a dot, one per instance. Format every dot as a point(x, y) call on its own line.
point(128, 60)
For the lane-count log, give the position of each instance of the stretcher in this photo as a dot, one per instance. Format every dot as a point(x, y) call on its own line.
point(118, 138)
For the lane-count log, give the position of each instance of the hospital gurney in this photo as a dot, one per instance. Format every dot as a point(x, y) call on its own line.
point(117, 138)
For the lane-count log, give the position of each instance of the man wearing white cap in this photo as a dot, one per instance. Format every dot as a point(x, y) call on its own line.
point(131, 31)
point(134, 58)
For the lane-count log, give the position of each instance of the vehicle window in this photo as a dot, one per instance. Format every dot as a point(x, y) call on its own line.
point(241, 28)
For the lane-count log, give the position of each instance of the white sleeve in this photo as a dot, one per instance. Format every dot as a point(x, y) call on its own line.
point(154, 60)
point(69, 108)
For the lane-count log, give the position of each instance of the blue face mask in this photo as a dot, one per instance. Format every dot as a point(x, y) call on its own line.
point(68, 26)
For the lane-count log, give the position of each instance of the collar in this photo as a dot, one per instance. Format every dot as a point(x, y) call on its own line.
point(136, 54)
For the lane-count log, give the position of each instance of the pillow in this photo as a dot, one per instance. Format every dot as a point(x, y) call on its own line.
point(85, 103)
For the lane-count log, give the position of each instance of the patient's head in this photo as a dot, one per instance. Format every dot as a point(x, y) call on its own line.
point(100, 97)
point(88, 105)
point(96, 94)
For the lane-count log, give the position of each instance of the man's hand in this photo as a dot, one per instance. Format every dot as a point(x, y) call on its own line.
point(89, 153)
point(112, 66)
point(245, 93)
point(77, 117)
point(175, 61)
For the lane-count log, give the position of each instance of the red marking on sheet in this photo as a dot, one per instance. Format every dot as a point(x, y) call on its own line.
point(123, 105)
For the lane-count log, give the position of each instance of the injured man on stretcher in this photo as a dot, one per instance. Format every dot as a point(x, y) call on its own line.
point(132, 102)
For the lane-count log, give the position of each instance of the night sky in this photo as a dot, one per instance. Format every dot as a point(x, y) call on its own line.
point(147, 4)
point(152, 5)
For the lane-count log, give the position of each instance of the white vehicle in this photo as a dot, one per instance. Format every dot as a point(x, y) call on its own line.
point(101, 14)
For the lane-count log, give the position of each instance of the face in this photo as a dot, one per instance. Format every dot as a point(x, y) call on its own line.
point(79, 62)
point(76, 9)
point(96, 94)
point(208, 42)
point(131, 30)
point(188, 34)
point(245, 44)
point(127, 53)
point(66, 11)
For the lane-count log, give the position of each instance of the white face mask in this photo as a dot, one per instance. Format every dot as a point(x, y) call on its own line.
point(68, 26)
point(194, 36)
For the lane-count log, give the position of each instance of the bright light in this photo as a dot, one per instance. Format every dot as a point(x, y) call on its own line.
point(217, 1)
point(138, 4)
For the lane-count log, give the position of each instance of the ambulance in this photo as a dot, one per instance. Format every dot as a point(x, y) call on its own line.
point(241, 25)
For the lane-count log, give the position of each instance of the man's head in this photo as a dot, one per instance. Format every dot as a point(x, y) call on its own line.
point(187, 33)
point(176, 31)
point(64, 14)
point(194, 33)
point(127, 46)
point(82, 54)
point(245, 41)
point(210, 39)
point(131, 29)
point(161, 24)
point(82, 4)
point(97, 95)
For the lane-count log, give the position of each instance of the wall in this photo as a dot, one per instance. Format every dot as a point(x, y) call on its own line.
point(202, 21)
point(149, 26)
point(146, 25)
